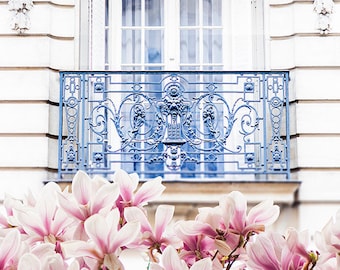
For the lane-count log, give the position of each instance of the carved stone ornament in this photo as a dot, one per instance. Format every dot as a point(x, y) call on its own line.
point(324, 9)
point(20, 19)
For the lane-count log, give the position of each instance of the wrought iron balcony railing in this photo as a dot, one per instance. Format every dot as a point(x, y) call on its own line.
point(202, 125)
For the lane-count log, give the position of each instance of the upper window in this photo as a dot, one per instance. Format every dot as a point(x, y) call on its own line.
point(167, 35)
point(175, 35)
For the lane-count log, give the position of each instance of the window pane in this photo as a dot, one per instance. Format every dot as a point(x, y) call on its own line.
point(212, 12)
point(189, 47)
point(131, 46)
point(189, 12)
point(154, 12)
point(212, 46)
point(153, 46)
point(131, 12)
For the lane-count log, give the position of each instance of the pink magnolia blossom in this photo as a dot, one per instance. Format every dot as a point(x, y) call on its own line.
point(272, 251)
point(130, 195)
point(105, 241)
point(255, 221)
point(88, 197)
point(195, 246)
point(328, 242)
point(45, 221)
point(156, 240)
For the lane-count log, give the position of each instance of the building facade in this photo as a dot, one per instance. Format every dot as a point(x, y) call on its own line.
point(38, 39)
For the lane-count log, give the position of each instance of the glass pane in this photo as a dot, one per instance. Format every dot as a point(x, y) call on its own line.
point(212, 46)
point(189, 15)
point(212, 10)
point(131, 46)
point(131, 13)
point(154, 12)
point(189, 47)
point(153, 46)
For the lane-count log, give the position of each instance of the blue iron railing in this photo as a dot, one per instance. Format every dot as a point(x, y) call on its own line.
point(202, 125)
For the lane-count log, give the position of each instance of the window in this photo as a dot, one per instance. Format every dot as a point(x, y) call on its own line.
point(175, 35)
point(172, 35)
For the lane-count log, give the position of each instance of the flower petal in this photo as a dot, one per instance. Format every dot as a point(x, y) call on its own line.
point(240, 210)
point(29, 262)
point(98, 230)
point(164, 214)
point(264, 213)
point(9, 247)
point(105, 197)
point(149, 191)
point(133, 214)
point(171, 260)
point(126, 235)
point(81, 186)
point(126, 183)
point(204, 264)
point(68, 203)
point(75, 249)
point(262, 254)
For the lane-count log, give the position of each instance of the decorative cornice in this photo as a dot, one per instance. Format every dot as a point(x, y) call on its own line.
point(20, 19)
point(324, 9)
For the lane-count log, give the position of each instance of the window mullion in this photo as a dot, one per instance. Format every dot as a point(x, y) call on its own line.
point(143, 34)
point(200, 35)
point(171, 34)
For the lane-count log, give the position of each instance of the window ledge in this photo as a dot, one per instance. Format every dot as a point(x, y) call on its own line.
point(283, 192)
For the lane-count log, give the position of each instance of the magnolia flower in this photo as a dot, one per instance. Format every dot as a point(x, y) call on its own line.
point(210, 223)
point(128, 184)
point(154, 239)
point(195, 246)
point(105, 241)
point(45, 222)
point(171, 261)
point(328, 242)
point(260, 216)
point(265, 252)
point(88, 197)
point(273, 251)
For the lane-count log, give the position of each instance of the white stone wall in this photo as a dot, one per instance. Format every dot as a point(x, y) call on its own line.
point(29, 94)
point(314, 62)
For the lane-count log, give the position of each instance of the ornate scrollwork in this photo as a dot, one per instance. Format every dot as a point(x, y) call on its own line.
point(178, 124)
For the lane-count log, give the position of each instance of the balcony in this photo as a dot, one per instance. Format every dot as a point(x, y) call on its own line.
point(183, 126)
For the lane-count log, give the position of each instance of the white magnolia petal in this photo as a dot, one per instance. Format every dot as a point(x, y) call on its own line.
point(134, 214)
point(149, 191)
point(126, 183)
point(9, 246)
point(106, 196)
point(98, 230)
point(126, 235)
point(29, 262)
point(30, 221)
point(164, 214)
point(204, 264)
point(81, 187)
point(264, 213)
point(171, 260)
point(77, 248)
